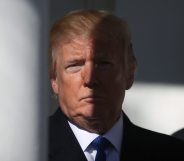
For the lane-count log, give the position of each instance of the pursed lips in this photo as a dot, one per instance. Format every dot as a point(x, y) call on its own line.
point(92, 98)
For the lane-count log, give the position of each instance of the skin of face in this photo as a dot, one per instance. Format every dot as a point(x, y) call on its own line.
point(90, 83)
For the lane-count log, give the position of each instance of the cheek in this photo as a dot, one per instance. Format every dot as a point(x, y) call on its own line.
point(68, 100)
point(69, 86)
point(113, 78)
point(114, 86)
point(69, 90)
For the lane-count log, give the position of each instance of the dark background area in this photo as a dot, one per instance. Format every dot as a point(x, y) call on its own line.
point(158, 38)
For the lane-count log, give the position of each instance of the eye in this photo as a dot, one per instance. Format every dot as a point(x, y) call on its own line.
point(104, 64)
point(73, 68)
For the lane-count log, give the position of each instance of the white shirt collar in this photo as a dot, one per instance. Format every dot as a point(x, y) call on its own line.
point(114, 135)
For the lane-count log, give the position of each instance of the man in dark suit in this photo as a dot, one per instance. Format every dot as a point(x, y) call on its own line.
point(91, 66)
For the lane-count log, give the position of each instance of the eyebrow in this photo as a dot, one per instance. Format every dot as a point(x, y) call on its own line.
point(74, 60)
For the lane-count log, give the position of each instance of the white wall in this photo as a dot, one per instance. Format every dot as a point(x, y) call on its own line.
point(158, 107)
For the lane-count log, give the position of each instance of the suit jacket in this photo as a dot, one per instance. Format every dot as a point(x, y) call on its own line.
point(179, 134)
point(137, 144)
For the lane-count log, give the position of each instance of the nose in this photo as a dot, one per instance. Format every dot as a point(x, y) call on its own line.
point(89, 75)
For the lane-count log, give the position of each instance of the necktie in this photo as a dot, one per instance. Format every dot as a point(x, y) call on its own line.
point(100, 144)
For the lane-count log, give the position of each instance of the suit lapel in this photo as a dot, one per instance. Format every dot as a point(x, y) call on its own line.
point(63, 143)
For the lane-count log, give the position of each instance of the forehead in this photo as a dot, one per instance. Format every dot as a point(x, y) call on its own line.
point(78, 44)
point(81, 46)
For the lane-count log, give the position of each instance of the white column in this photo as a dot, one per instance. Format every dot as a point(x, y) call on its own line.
point(23, 80)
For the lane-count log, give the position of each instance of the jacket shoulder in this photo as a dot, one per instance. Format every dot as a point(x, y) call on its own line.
point(149, 144)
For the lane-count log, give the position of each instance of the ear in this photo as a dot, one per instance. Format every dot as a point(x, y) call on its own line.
point(54, 84)
point(130, 76)
point(131, 67)
point(129, 82)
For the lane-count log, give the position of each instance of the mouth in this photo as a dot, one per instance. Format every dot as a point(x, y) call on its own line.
point(92, 118)
point(92, 98)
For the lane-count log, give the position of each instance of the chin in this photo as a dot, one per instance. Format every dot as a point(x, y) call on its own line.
point(93, 126)
point(95, 116)
point(98, 128)
point(96, 124)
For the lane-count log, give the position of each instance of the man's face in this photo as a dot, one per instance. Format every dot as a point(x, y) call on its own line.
point(90, 83)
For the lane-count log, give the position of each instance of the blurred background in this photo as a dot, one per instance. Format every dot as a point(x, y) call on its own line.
point(155, 102)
